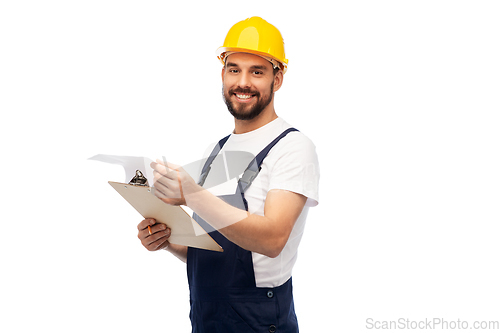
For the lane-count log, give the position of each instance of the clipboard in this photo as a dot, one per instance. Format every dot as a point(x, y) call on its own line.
point(184, 230)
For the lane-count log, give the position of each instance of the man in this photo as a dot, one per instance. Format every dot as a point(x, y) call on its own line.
point(258, 219)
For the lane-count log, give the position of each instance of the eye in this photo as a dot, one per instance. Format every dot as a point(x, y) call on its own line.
point(258, 72)
point(233, 70)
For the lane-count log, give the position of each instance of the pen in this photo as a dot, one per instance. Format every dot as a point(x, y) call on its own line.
point(149, 229)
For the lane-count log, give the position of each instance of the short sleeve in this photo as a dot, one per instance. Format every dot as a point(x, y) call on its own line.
point(294, 167)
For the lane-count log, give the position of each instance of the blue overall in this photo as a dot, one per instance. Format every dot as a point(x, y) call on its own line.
point(224, 295)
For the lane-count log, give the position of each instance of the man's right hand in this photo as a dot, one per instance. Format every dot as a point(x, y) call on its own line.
point(158, 239)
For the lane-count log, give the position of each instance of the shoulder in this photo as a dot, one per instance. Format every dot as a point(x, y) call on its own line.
point(295, 144)
point(298, 141)
point(297, 138)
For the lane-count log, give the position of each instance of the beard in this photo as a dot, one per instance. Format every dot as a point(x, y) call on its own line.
point(247, 112)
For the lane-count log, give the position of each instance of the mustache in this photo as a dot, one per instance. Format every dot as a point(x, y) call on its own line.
point(244, 91)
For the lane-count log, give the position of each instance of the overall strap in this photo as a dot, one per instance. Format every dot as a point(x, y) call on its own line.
point(210, 159)
point(253, 168)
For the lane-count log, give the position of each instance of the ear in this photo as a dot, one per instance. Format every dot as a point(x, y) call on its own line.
point(278, 80)
point(223, 72)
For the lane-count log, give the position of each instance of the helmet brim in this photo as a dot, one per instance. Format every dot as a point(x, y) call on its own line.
point(221, 51)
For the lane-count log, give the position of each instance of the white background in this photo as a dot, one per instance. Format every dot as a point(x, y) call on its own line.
point(400, 97)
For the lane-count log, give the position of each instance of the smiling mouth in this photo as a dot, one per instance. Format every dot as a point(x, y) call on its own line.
point(244, 98)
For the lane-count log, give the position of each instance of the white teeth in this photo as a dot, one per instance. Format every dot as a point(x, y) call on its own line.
point(243, 96)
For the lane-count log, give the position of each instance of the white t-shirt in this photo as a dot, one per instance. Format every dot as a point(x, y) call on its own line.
point(292, 164)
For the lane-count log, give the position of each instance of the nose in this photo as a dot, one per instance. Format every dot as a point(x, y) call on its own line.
point(244, 80)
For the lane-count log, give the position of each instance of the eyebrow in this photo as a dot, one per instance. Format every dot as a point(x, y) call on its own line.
point(259, 67)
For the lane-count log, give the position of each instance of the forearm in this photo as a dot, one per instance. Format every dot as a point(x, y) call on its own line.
point(252, 232)
point(257, 234)
point(178, 251)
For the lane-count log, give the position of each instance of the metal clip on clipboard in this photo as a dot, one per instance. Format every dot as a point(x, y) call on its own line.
point(139, 179)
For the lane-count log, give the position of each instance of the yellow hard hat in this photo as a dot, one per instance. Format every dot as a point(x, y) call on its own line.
point(257, 36)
